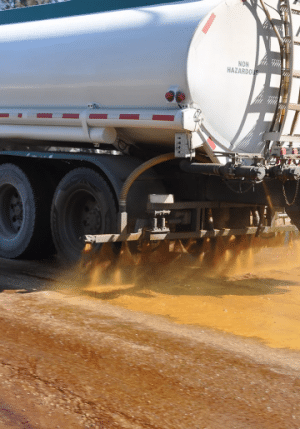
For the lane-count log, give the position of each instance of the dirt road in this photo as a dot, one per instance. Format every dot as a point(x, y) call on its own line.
point(74, 357)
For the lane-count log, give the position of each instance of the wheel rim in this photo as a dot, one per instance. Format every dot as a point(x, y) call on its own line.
point(12, 211)
point(83, 216)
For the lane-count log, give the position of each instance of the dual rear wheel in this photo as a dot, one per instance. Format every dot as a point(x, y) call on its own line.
point(30, 219)
point(24, 227)
point(82, 204)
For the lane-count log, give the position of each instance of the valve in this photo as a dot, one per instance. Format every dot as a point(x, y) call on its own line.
point(289, 172)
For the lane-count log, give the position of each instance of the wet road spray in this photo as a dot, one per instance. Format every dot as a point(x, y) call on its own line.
point(247, 286)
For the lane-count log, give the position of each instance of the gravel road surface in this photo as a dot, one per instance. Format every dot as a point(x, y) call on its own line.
point(68, 360)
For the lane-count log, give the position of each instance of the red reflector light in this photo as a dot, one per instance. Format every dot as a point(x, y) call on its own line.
point(180, 96)
point(170, 96)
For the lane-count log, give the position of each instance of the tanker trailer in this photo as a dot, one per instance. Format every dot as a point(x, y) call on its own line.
point(171, 121)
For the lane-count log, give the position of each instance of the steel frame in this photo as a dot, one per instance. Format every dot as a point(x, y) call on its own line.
point(198, 233)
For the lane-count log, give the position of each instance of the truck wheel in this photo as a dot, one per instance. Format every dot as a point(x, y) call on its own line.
point(23, 229)
point(82, 204)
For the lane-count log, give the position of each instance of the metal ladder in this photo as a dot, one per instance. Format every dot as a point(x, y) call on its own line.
point(286, 42)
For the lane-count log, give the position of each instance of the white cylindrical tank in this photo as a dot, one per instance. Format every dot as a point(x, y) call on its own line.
point(223, 55)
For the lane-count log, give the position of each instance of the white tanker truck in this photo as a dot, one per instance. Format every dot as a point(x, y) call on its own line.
point(162, 122)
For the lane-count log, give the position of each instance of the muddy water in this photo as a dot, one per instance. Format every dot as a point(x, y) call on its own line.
point(236, 286)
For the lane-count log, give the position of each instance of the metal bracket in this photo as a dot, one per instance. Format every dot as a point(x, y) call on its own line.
point(183, 146)
point(93, 106)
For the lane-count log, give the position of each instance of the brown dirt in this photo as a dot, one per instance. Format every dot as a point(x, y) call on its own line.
point(73, 362)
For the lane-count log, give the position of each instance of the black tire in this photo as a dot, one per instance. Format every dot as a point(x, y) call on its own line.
point(82, 204)
point(24, 214)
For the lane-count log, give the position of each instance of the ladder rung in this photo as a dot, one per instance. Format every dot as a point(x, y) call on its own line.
point(292, 106)
point(276, 137)
point(295, 11)
point(286, 72)
point(288, 39)
point(283, 8)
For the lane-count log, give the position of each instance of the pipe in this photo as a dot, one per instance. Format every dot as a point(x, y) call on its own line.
point(130, 180)
point(56, 133)
point(228, 171)
point(290, 172)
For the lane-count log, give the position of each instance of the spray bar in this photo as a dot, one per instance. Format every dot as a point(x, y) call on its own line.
point(152, 236)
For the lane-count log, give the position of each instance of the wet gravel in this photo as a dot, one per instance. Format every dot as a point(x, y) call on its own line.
point(69, 361)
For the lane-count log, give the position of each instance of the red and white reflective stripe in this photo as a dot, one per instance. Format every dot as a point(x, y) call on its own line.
point(98, 116)
point(169, 118)
point(129, 116)
point(208, 24)
point(211, 143)
point(121, 116)
point(133, 116)
point(44, 115)
point(70, 116)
